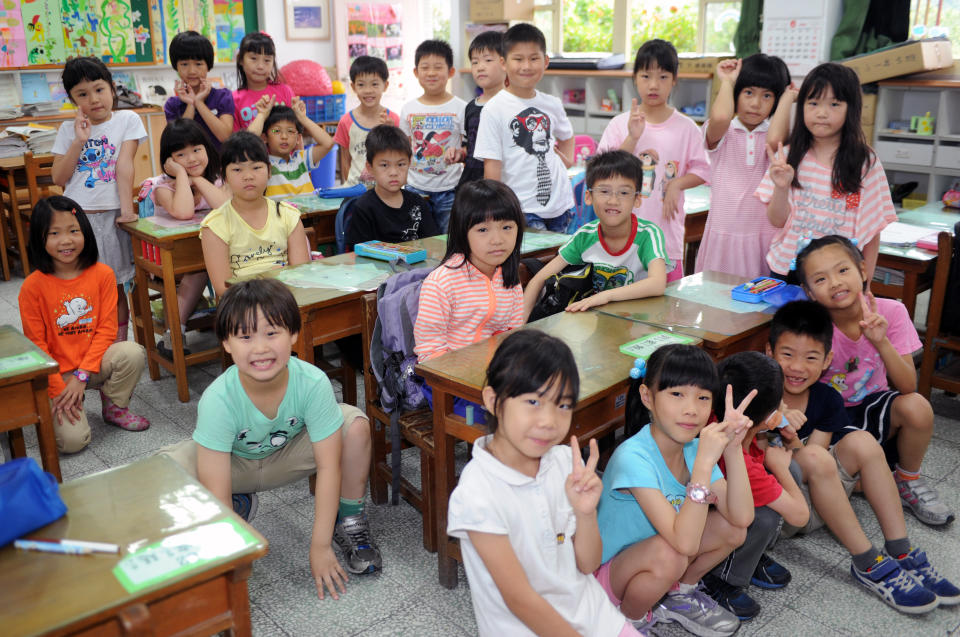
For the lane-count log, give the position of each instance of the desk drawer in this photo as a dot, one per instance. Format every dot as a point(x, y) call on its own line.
point(907, 151)
point(948, 157)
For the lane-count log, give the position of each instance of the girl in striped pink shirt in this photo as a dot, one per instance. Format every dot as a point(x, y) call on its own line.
point(815, 189)
point(475, 293)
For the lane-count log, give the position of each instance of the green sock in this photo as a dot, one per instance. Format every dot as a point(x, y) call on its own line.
point(350, 507)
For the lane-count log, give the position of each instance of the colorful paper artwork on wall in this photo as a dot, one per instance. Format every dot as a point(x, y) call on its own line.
point(13, 41)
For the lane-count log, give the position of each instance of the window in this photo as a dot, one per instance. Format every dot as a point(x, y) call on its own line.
point(930, 18)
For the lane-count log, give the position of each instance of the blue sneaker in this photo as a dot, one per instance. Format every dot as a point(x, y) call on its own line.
point(245, 505)
point(915, 562)
point(769, 574)
point(896, 587)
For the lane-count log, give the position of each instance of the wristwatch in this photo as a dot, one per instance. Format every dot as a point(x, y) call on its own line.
point(81, 375)
point(701, 494)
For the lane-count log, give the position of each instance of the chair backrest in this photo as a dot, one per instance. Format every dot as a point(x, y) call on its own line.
point(583, 213)
point(342, 222)
point(943, 314)
point(39, 171)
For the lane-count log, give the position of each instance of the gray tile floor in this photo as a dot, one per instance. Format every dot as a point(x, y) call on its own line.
point(405, 599)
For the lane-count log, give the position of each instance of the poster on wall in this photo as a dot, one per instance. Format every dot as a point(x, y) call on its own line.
point(375, 29)
point(42, 21)
point(13, 41)
point(230, 28)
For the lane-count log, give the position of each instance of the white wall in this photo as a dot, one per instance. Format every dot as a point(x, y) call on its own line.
point(273, 21)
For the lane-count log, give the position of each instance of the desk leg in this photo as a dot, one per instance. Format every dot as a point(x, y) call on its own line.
point(910, 292)
point(304, 345)
point(172, 306)
point(240, 600)
point(18, 228)
point(443, 448)
point(4, 257)
point(349, 381)
point(14, 212)
point(142, 293)
point(46, 439)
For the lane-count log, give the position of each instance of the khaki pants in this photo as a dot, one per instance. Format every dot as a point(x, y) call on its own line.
point(290, 463)
point(119, 373)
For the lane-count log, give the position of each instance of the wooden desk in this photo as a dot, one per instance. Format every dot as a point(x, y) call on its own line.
point(24, 369)
point(604, 379)
point(167, 253)
point(536, 244)
point(134, 506)
point(723, 332)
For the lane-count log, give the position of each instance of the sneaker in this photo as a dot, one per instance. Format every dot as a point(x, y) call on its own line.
point(697, 613)
point(245, 505)
point(352, 535)
point(896, 587)
point(915, 562)
point(733, 598)
point(644, 624)
point(923, 501)
point(769, 574)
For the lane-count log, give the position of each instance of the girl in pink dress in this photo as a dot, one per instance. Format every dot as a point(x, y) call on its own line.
point(738, 233)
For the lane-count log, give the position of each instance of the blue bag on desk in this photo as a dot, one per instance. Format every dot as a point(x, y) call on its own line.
point(29, 499)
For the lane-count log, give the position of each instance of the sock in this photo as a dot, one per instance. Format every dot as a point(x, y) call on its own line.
point(686, 588)
point(903, 474)
point(350, 507)
point(897, 548)
point(863, 561)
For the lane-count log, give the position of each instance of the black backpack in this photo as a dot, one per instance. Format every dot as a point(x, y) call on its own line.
point(950, 320)
point(571, 284)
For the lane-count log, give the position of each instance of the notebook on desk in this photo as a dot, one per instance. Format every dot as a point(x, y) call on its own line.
point(906, 235)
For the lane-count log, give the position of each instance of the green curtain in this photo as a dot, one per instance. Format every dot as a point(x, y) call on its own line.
point(746, 40)
point(864, 28)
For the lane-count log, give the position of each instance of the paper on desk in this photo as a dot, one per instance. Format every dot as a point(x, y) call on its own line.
point(541, 240)
point(713, 294)
point(360, 276)
point(19, 361)
point(644, 346)
point(166, 221)
point(903, 234)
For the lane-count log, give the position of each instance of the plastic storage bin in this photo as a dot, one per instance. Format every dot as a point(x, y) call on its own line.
point(325, 108)
point(325, 174)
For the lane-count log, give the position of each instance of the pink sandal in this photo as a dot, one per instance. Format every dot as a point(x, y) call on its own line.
point(122, 416)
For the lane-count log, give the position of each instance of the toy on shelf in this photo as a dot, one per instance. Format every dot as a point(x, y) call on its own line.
point(574, 96)
point(696, 110)
point(922, 125)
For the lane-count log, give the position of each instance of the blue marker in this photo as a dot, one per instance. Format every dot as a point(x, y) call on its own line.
point(51, 547)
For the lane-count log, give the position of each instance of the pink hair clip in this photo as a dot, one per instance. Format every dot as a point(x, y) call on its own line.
point(73, 211)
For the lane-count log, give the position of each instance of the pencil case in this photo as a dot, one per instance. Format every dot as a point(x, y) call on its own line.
point(29, 499)
point(341, 191)
point(756, 290)
point(390, 252)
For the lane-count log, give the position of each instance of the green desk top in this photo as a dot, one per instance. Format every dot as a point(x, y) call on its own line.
point(18, 355)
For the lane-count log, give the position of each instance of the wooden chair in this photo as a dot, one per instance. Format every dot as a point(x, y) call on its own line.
point(935, 343)
point(416, 429)
point(39, 185)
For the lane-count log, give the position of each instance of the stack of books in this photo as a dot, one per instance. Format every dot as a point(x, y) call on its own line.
point(39, 138)
point(10, 111)
point(11, 145)
point(40, 109)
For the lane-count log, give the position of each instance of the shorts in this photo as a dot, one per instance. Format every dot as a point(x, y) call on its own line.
point(113, 244)
point(815, 521)
point(552, 224)
point(873, 414)
point(603, 576)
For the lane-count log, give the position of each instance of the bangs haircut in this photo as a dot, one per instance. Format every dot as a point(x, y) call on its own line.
point(746, 371)
point(486, 42)
point(764, 71)
point(281, 113)
point(850, 165)
point(89, 69)
point(261, 44)
point(386, 137)
point(240, 147)
point(523, 33)
point(237, 309)
point(434, 47)
point(40, 220)
point(477, 202)
point(532, 362)
point(182, 133)
point(823, 242)
point(670, 366)
point(369, 65)
point(803, 318)
point(659, 52)
point(190, 45)
point(614, 163)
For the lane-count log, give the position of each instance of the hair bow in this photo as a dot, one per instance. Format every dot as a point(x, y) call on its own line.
point(639, 369)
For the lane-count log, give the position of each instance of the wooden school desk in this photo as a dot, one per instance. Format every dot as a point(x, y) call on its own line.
point(167, 252)
point(604, 379)
point(723, 331)
point(135, 506)
point(24, 369)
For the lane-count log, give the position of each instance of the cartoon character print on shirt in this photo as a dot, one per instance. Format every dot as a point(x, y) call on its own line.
point(861, 387)
point(413, 231)
point(669, 172)
point(608, 278)
point(275, 439)
point(676, 501)
point(432, 135)
point(77, 317)
point(531, 132)
point(649, 163)
point(97, 159)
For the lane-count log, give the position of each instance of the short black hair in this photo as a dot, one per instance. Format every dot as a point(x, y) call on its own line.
point(88, 69)
point(190, 45)
point(659, 52)
point(369, 65)
point(614, 163)
point(434, 47)
point(523, 33)
point(491, 41)
point(237, 308)
point(823, 242)
point(183, 132)
point(281, 113)
point(386, 137)
point(746, 371)
point(764, 71)
point(242, 146)
point(803, 318)
point(531, 361)
point(40, 220)
point(669, 366)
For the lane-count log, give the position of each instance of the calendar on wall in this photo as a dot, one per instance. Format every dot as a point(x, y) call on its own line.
point(800, 33)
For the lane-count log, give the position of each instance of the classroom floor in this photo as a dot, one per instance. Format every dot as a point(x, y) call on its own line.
point(405, 599)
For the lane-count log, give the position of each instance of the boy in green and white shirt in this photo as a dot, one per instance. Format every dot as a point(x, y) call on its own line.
point(628, 254)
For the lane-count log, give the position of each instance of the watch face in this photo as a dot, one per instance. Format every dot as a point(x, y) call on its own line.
point(697, 493)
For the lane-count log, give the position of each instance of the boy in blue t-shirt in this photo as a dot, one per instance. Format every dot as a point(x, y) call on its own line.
point(270, 420)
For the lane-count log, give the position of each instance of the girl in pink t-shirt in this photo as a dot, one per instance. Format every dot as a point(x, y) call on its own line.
point(813, 190)
point(738, 233)
point(257, 75)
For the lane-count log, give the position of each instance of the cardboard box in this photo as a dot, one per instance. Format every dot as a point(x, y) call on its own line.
point(869, 109)
point(868, 132)
point(501, 10)
point(700, 63)
point(910, 57)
